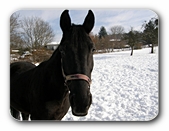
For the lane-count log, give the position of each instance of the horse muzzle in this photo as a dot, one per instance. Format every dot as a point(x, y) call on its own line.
point(80, 108)
point(79, 113)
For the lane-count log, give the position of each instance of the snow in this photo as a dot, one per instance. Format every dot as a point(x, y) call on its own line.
point(124, 87)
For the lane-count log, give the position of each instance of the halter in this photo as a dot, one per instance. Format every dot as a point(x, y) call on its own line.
point(75, 76)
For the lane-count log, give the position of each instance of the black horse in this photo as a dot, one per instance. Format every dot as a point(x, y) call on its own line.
point(47, 91)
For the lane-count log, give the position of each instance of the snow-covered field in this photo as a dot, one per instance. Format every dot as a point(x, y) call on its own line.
point(124, 87)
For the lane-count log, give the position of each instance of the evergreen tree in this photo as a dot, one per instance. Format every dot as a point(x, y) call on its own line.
point(102, 32)
point(150, 33)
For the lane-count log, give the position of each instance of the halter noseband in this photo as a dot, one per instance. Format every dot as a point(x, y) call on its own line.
point(75, 76)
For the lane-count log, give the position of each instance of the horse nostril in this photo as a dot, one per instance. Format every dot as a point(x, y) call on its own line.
point(87, 107)
point(89, 94)
point(71, 97)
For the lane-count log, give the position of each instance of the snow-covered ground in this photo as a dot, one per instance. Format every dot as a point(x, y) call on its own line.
point(124, 87)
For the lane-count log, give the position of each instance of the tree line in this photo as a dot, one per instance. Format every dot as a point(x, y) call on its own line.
point(119, 39)
point(34, 33)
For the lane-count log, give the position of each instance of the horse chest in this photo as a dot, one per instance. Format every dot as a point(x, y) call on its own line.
point(57, 110)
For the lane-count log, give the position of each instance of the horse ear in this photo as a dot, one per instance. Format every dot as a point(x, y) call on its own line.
point(65, 21)
point(89, 22)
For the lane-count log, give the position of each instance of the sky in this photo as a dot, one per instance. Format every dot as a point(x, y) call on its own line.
point(103, 17)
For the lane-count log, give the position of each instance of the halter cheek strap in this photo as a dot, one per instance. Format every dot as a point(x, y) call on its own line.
point(75, 76)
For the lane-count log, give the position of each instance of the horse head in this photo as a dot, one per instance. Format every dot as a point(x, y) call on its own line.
point(76, 49)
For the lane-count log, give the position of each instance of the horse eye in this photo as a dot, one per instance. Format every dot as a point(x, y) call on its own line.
point(62, 51)
point(93, 49)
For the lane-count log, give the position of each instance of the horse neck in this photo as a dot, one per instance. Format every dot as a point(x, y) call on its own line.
point(54, 66)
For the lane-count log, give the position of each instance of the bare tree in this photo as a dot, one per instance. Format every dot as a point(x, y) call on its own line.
point(117, 29)
point(116, 34)
point(36, 32)
point(14, 24)
point(15, 37)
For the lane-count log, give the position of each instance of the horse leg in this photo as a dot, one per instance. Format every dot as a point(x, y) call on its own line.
point(15, 113)
point(25, 116)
